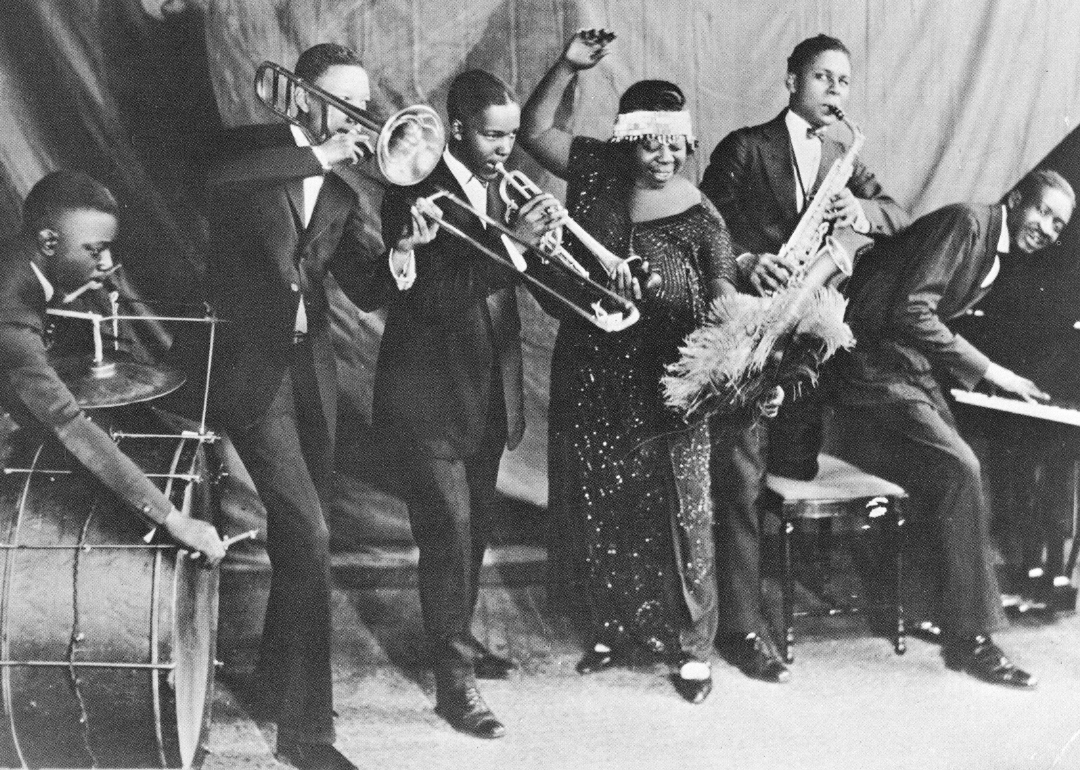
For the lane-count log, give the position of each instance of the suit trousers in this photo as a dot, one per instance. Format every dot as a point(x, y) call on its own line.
point(290, 456)
point(737, 470)
point(451, 505)
point(917, 445)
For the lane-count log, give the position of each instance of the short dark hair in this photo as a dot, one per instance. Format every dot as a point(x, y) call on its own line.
point(473, 91)
point(1034, 182)
point(803, 55)
point(652, 96)
point(60, 192)
point(319, 58)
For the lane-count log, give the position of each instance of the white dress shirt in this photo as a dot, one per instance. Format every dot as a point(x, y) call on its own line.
point(45, 285)
point(806, 147)
point(1002, 248)
point(312, 188)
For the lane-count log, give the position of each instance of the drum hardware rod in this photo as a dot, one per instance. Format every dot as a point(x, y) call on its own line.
point(251, 534)
point(183, 476)
point(209, 436)
point(87, 664)
point(94, 547)
point(209, 366)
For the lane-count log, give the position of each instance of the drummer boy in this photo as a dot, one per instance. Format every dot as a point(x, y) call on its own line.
point(69, 223)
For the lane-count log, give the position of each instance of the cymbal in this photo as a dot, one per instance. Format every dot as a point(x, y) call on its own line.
point(114, 383)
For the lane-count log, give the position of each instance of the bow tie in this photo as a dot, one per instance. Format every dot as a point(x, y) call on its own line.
point(814, 133)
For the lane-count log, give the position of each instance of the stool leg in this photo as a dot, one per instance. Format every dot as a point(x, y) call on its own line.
point(897, 536)
point(787, 526)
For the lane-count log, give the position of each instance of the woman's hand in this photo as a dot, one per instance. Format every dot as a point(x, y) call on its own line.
point(769, 406)
point(623, 281)
point(587, 47)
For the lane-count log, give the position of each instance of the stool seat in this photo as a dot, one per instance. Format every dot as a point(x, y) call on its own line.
point(836, 480)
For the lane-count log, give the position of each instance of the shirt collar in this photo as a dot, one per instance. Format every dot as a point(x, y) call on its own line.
point(45, 285)
point(797, 125)
point(461, 171)
point(1003, 239)
point(299, 136)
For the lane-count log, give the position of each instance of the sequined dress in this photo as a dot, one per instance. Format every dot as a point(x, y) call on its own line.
point(628, 479)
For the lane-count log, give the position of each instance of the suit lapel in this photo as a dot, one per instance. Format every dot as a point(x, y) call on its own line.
point(334, 197)
point(776, 157)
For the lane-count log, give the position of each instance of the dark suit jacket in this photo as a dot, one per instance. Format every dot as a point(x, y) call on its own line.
point(263, 260)
point(901, 300)
point(448, 333)
point(751, 181)
point(33, 393)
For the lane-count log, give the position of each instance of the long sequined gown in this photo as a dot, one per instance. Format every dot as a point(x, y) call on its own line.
point(628, 479)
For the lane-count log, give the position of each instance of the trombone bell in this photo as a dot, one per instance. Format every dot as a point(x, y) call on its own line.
point(408, 146)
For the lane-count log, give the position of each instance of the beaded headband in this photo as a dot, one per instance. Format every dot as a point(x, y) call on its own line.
point(661, 125)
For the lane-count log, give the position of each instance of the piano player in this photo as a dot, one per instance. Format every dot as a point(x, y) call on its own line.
point(901, 298)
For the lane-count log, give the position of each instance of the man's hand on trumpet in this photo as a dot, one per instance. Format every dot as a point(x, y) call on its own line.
point(541, 215)
point(351, 146)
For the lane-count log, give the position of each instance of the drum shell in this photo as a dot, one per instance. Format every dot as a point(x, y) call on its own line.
point(107, 641)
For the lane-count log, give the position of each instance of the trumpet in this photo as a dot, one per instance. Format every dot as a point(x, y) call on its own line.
point(526, 189)
point(608, 310)
point(409, 143)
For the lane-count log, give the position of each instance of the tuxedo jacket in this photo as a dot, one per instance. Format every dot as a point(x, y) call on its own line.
point(450, 337)
point(900, 304)
point(263, 262)
point(751, 181)
point(34, 395)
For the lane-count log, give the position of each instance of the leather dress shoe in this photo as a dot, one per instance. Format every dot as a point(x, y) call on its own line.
point(466, 711)
point(984, 660)
point(927, 631)
point(693, 690)
point(487, 664)
point(311, 756)
point(596, 660)
point(756, 656)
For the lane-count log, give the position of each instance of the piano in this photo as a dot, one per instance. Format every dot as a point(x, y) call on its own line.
point(1068, 415)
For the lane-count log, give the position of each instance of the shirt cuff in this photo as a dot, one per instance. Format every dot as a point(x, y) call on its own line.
point(321, 157)
point(861, 224)
point(406, 276)
point(515, 253)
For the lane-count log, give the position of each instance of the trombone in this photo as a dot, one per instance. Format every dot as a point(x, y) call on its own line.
point(409, 143)
point(609, 311)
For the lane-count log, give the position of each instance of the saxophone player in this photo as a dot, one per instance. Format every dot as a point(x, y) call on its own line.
point(761, 178)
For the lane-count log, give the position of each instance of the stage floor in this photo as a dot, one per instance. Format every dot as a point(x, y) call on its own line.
point(851, 702)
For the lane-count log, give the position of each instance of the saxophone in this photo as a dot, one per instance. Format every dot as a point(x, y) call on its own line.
point(738, 354)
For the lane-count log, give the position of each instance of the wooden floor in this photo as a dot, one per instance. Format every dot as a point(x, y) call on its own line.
point(852, 703)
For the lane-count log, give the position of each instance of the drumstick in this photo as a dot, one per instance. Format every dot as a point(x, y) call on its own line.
point(251, 534)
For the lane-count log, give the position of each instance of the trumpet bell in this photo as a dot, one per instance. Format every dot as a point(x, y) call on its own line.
point(408, 145)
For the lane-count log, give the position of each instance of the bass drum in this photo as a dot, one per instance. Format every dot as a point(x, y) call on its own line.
point(106, 641)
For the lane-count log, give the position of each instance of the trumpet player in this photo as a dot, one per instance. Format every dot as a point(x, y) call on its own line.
point(761, 178)
point(283, 216)
point(448, 388)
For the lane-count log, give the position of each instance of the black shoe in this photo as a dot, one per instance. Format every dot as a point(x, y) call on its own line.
point(596, 660)
point(693, 690)
point(927, 630)
point(466, 711)
point(755, 656)
point(983, 659)
point(311, 756)
point(488, 665)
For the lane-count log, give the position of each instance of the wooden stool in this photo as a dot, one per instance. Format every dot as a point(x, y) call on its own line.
point(839, 490)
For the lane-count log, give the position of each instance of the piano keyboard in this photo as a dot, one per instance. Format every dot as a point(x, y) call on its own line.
point(1042, 411)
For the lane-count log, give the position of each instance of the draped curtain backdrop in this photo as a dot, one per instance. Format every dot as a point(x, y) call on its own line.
point(958, 98)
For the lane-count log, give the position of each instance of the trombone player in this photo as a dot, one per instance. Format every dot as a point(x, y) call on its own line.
point(283, 215)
